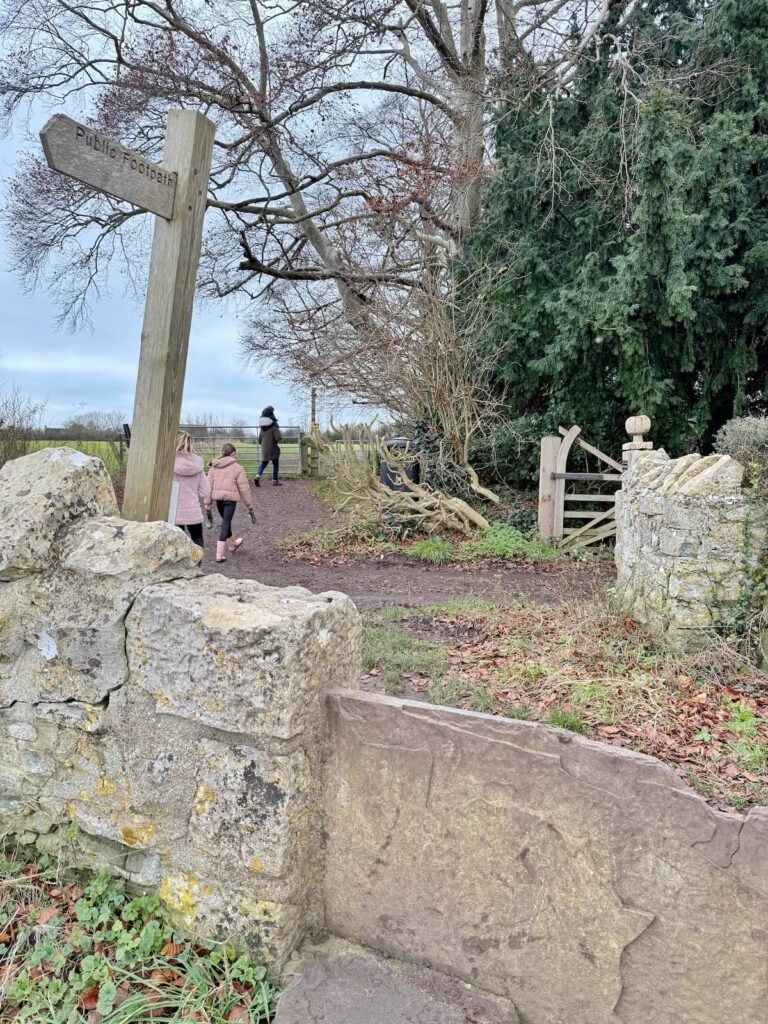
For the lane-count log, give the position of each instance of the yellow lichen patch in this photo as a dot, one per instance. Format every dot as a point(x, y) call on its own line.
point(160, 699)
point(260, 910)
point(254, 864)
point(105, 786)
point(204, 797)
point(137, 835)
point(179, 893)
point(92, 719)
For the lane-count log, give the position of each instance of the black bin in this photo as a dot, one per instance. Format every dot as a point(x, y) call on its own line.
point(389, 475)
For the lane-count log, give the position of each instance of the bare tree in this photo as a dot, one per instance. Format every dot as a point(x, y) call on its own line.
point(95, 423)
point(352, 141)
point(19, 423)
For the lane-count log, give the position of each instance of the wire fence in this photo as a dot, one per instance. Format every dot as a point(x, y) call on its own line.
point(207, 442)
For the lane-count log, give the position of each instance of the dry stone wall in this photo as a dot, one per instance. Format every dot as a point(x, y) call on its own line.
point(687, 540)
point(177, 719)
point(585, 883)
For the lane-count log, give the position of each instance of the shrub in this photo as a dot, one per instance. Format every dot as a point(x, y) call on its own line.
point(509, 452)
point(522, 513)
point(500, 541)
point(433, 549)
point(745, 439)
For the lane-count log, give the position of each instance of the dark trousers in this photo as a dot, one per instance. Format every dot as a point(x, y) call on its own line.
point(195, 531)
point(226, 511)
point(275, 464)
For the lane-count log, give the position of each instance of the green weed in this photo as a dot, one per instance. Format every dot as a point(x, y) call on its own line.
point(706, 789)
point(742, 721)
point(598, 698)
point(736, 800)
point(564, 719)
point(100, 952)
point(504, 542)
point(445, 691)
point(752, 756)
point(397, 654)
point(480, 699)
point(519, 711)
point(433, 549)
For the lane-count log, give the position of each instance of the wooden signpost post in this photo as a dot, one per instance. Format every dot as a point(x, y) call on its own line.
point(176, 192)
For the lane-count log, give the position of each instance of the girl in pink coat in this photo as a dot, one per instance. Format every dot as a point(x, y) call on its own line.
point(229, 484)
point(188, 473)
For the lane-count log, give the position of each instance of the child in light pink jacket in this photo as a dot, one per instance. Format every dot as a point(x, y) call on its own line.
point(188, 473)
point(228, 484)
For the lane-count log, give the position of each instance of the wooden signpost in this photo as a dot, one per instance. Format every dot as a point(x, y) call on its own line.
point(176, 192)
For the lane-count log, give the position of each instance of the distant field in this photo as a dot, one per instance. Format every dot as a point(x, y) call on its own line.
point(248, 453)
point(107, 451)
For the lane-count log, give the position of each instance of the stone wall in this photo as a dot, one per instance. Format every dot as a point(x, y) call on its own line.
point(177, 719)
point(585, 883)
point(192, 729)
point(687, 538)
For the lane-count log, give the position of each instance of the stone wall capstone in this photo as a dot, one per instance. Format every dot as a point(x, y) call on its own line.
point(687, 538)
point(178, 720)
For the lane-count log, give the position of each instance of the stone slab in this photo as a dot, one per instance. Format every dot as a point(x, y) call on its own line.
point(585, 883)
point(339, 983)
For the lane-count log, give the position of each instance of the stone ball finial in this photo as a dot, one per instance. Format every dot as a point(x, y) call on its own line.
point(636, 426)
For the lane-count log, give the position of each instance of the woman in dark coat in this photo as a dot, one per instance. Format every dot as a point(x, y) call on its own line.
point(269, 435)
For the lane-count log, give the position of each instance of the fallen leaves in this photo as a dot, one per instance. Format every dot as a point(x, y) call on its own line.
point(48, 914)
point(88, 1000)
point(625, 687)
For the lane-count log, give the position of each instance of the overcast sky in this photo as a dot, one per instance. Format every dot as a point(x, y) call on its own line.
point(97, 368)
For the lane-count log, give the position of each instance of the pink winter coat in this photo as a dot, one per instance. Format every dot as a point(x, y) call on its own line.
point(193, 488)
point(228, 481)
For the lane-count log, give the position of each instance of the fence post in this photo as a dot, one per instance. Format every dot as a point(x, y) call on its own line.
point(550, 446)
point(314, 461)
point(303, 454)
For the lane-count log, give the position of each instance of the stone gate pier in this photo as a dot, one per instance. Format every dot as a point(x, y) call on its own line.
point(178, 720)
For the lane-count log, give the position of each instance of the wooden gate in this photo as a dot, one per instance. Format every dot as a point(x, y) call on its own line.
point(585, 525)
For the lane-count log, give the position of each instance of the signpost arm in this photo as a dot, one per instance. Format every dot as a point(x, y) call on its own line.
point(167, 320)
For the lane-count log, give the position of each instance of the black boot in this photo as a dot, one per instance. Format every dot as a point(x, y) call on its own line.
point(257, 481)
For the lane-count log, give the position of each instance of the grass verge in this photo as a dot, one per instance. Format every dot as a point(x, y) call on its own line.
point(400, 657)
point(583, 669)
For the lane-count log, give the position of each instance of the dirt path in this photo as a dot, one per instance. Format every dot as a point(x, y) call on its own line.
point(376, 581)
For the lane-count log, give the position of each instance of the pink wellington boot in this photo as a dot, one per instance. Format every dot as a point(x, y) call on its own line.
point(221, 551)
point(233, 544)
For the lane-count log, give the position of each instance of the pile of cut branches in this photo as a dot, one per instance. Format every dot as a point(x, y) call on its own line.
point(411, 508)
